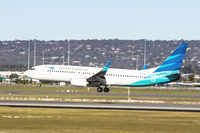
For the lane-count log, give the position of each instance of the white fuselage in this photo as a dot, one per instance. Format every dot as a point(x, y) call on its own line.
point(68, 73)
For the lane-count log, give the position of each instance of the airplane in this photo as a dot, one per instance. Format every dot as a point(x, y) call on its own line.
point(82, 76)
point(145, 67)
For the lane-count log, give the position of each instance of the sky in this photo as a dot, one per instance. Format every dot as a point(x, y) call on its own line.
point(100, 19)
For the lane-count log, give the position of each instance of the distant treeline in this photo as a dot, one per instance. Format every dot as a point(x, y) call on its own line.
point(185, 69)
point(13, 68)
point(14, 54)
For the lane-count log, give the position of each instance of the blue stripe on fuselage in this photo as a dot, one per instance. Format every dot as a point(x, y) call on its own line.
point(155, 78)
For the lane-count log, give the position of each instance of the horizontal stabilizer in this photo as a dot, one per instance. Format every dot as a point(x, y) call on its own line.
point(174, 76)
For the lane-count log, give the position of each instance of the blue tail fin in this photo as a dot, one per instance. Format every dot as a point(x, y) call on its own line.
point(175, 60)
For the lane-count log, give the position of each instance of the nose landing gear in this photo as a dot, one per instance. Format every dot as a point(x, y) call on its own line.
point(39, 84)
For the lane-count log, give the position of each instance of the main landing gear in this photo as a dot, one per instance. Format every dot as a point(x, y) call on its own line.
point(106, 89)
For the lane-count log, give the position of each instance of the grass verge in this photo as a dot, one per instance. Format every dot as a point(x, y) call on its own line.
point(48, 120)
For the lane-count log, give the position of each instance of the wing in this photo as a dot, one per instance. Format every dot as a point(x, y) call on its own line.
point(99, 78)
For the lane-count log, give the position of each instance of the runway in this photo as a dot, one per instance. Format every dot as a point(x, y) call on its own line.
point(111, 106)
point(106, 94)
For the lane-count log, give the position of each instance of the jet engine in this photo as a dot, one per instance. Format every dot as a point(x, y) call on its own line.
point(79, 82)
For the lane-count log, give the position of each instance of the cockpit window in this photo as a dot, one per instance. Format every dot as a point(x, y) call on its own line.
point(32, 68)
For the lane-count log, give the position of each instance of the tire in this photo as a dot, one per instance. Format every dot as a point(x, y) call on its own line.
point(99, 89)
point(106, 89)
point(39, 85)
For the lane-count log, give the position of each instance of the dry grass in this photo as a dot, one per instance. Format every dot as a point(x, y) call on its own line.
point(32, 120)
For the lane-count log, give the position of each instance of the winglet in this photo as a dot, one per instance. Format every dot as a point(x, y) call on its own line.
point(106, 66)
point(145, 67)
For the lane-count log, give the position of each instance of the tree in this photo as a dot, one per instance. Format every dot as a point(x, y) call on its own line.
point(13, 76)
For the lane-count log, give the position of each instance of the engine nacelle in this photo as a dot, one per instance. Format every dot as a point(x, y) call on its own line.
point(79, 82)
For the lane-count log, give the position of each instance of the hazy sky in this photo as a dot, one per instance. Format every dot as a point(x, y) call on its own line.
point(100, 19)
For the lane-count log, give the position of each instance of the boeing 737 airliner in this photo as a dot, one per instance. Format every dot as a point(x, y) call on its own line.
point(97, 77)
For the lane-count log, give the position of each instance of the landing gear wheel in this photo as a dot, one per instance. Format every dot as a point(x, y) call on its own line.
point(99, 89)
point(39, 84)
point(106, 89)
